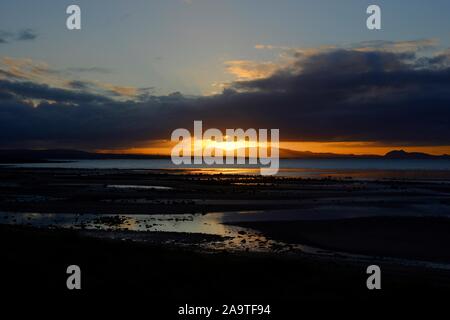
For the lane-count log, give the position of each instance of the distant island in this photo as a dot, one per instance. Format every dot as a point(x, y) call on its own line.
point(54, 155)
point(394, 154)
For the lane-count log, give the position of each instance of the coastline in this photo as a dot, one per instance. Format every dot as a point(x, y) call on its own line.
point(327, 215)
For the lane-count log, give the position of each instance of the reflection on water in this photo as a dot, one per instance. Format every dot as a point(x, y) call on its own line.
point(434, 169)
point(235, 238)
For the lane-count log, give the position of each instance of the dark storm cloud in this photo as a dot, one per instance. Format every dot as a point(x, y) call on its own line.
point(340, 95)
point(79, 85)
point(352, 95)
point(22, 35)
point(30, 90)
point(26, 35)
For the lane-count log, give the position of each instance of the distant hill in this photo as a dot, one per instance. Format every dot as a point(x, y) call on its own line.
point(30, 156)
point(289, 154)
point(401, 154)
point(52, 155)
point(394, 154)
point(294, 154)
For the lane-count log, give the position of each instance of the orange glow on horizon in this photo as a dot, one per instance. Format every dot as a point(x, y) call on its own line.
point(164, 148)
point(360, 148)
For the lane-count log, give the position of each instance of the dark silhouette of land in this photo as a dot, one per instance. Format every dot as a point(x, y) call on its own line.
point(53, 155)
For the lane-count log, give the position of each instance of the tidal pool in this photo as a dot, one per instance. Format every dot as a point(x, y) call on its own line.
point(165, 228)
point(141, 226)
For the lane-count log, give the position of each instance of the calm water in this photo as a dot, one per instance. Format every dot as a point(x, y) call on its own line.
point(143, 227)
point(341, 168)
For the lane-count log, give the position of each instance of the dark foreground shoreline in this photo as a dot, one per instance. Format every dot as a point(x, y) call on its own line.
point(34, 261)
point(411, 238)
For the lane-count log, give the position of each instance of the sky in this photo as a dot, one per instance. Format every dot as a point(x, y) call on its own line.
point(139, 68)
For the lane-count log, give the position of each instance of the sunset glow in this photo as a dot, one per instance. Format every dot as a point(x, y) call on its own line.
point(356, 148)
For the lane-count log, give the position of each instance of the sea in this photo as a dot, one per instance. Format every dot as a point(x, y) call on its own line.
point(421, 169)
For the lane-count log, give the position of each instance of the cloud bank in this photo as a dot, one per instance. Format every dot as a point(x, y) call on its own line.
point(22, 35)
point(380, 92)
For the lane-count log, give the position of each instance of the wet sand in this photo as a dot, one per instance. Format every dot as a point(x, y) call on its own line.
point(90, 191)
point(412, 238)
point(35, 262)
point(166, 272)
